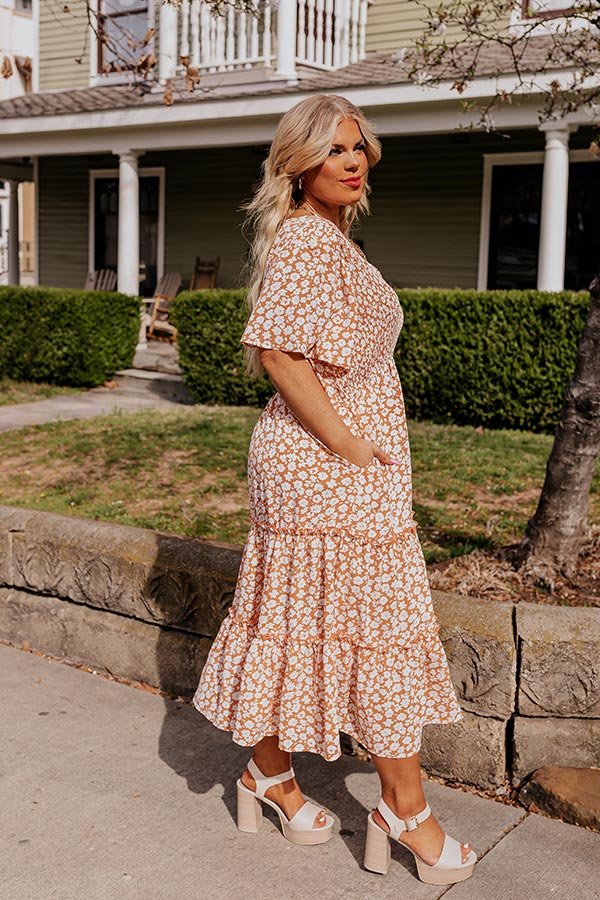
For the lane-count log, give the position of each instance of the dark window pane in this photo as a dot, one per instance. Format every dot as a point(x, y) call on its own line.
point(106, 221)
point(515, 226)
point(583, 225)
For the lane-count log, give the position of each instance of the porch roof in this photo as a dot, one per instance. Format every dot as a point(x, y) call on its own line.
point(385, 68)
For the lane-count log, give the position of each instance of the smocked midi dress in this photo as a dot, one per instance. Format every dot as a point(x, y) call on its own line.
point(331, 627)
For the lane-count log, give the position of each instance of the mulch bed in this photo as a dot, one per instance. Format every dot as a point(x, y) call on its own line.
point(493, 574)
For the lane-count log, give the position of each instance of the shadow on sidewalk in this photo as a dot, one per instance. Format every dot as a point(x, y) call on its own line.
point(205, 755)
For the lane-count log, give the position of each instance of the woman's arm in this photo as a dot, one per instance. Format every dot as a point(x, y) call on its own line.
point(296, 381)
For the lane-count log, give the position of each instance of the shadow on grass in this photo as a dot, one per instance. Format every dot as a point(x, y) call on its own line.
point(442, 544)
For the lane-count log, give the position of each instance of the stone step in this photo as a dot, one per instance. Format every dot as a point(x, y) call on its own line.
point(158, 357)
point(165, 384)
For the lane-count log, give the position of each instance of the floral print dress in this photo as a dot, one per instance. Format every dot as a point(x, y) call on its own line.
point(331, 627)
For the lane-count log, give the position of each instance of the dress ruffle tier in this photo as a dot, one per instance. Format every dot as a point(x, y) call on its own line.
point(357, 649)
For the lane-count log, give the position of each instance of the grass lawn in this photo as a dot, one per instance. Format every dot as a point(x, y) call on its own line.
point(184, 471)
point(26, 392)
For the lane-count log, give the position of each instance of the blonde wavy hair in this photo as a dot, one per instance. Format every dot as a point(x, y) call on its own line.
point(302, 142)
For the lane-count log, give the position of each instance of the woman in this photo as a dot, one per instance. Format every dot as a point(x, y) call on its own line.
point(331, 627)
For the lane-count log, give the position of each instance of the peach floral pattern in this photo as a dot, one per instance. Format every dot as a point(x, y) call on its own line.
point(331, 627)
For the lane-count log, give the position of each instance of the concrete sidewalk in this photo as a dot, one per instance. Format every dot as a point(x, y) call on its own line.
point(135, 391)
point(109, 792)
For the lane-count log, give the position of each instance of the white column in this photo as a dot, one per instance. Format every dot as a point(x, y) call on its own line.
point(553, 224)
point(128, 255)
point(167, 50)
point(13, 233)
point(287, 12)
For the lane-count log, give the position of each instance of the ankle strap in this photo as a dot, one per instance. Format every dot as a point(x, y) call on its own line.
point(396, 825)
point(264, 782)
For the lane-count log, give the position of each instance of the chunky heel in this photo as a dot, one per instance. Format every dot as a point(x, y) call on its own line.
point(448, 869)
point(249, 810)
point(377, 849)
point(299, 829)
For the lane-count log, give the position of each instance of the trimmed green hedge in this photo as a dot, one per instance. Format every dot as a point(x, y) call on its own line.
point(496, 358)
point(66, 337)
point(501, 359)
point(209, 327)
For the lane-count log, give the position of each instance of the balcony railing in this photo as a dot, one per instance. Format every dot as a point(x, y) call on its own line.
point(324, 34)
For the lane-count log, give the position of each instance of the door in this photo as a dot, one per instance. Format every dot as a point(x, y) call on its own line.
point(106, 227)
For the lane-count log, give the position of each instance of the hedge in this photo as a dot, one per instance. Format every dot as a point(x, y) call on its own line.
point(501, 359)
point(66, 337)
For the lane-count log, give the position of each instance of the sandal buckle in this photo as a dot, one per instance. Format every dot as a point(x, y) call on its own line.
point(411, 823)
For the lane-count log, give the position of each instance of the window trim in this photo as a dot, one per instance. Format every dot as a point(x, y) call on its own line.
point(96, 76)
point(569, 10)
point(94, 174)
point(534, 157)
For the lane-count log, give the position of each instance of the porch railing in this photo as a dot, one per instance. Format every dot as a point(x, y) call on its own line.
point(325, 34)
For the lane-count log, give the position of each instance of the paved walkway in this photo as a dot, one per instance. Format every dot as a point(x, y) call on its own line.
point(133, 394)
point(112, 793)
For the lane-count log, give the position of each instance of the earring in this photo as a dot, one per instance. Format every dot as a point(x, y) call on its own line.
point(300, 183)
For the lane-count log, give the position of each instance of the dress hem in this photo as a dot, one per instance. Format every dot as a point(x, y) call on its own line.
point(347, 729)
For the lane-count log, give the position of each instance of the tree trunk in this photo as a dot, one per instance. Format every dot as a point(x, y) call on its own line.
point(554, 535)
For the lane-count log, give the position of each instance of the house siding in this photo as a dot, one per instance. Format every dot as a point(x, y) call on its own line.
point(203, 190)
point(392, 24)
point(62, 41)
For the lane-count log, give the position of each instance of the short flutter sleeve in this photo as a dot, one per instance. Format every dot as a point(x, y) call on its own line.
point(302, 302)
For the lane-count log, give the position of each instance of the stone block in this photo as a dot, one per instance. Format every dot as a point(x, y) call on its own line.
point(572, 795)
point(471, 751)
point(159, 578)
point(478, 637)
point(541, 742)
point(126, 648)
point(559, 671)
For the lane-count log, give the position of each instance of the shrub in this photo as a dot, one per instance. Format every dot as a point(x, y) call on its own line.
point(501, 359)
point(496, 358)
point(66, 337)
point(209, 326)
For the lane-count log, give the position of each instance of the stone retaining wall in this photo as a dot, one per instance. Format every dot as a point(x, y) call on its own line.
point(145, 606)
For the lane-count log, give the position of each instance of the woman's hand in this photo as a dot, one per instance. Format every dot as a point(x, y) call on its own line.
point(362, 452)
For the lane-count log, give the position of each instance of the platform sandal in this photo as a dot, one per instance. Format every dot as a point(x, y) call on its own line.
point(299, 829)
point(447, 870)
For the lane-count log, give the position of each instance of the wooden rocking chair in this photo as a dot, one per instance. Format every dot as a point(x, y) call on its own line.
point(205, 274)
point(159, 327)
point(101, 280)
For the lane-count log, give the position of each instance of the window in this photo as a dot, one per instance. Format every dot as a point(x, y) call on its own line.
point(514, 229)
point(122, 26)
point(23, 6)
point(545, 9)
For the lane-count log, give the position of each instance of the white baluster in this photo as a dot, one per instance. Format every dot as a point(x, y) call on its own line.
point(302, 30)
point(354, 33)
point(346, 33)
point(167, 53)
point(205, 21)
point(364, 9)
point(230, 40)
point(338, 36)
point(242, 38)
point(320, 9)
point(213, 42)
point(195, 14)
point(266, 46)
point(184, 47)
point(310, 41)
point(220, 43)
point(328, 36)
point(254, 32)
